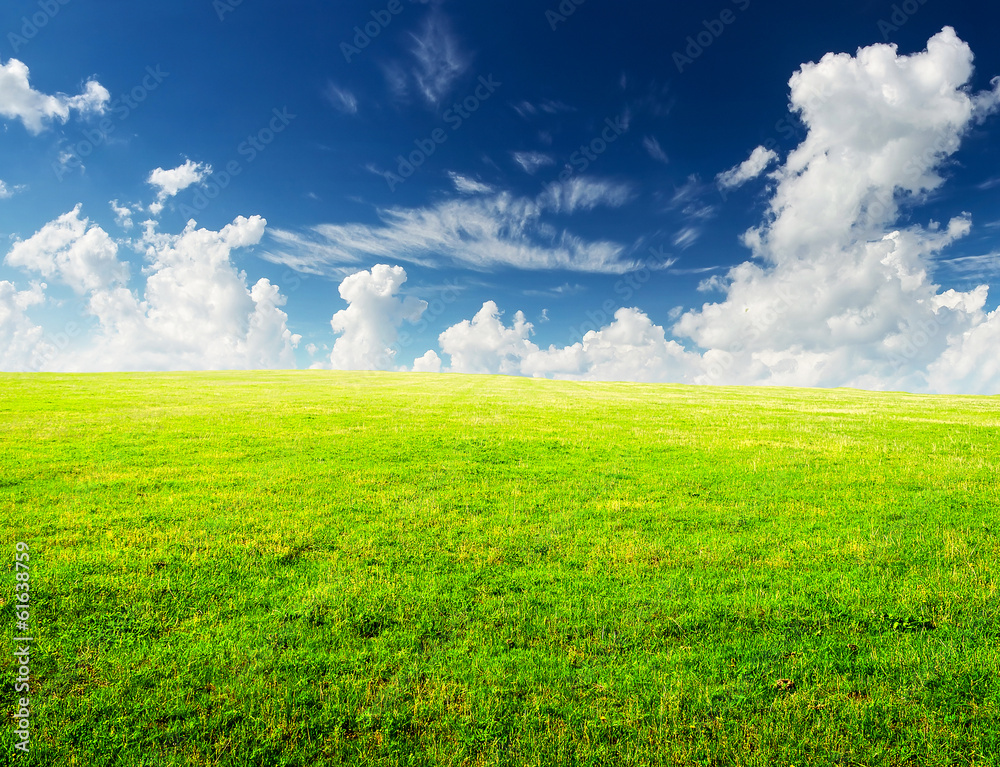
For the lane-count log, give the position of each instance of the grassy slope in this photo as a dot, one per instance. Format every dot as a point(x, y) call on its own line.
point(309, 568)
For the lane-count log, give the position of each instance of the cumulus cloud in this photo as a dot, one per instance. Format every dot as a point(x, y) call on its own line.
point(72, 250)
point(123, 214)
point(8, 191)
point(169, 182)
point(369, 326)
point(18, 100)
point(840, 295)
point(749, 169)
point(630, 348)
point(22, 344)
point(485, 344)
point(430, 362)
point(196, 310)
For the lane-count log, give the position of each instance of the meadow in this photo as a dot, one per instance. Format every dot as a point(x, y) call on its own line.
point(315, 568)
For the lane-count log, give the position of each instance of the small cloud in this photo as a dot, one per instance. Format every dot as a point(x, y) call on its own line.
point(170, 182)
point(655, 150)
point(430, 362)
point(558, 292)
point(341, 99)
point(526, 109)
point(686, 237)
point(9, 191)
point(532, 161)
point(989, 184)
point(123, 214)
point(975, 265)
point(466, 185)
point(749, 169)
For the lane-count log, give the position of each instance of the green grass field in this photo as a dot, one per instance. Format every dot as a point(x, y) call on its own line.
point(313, 568)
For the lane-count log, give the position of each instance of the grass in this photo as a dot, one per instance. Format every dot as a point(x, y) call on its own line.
point(310, 568)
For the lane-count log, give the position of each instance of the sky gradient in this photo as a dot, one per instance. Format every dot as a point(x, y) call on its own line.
point(729, 192)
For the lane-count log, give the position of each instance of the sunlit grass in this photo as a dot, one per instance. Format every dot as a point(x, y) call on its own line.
point(309, 568)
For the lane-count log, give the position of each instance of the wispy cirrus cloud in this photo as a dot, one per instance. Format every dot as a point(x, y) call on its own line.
point(526, 109)
point(530, 162)
point(341, 99)
point(466, 185)
point(439, 60)
point(654, 149)
point(585, 194)
point(482, 232)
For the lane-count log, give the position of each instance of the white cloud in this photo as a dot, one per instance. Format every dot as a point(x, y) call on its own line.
point(749, 169)
point(631, 348)
point(654, 149)
point(22, 344)
point(840, 295)
point(9, 191)
point(369, 326)
point(485, 345)
point(170, 182)
point(196, 311)
point(341, 99)
point(480, 232)
point(530, 162)
point(18, 100)
point(71, 250)
point(430, 362)
point(123, 214)
point(466, 185)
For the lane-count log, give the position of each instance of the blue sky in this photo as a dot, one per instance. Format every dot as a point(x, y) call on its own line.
point(534, 170)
